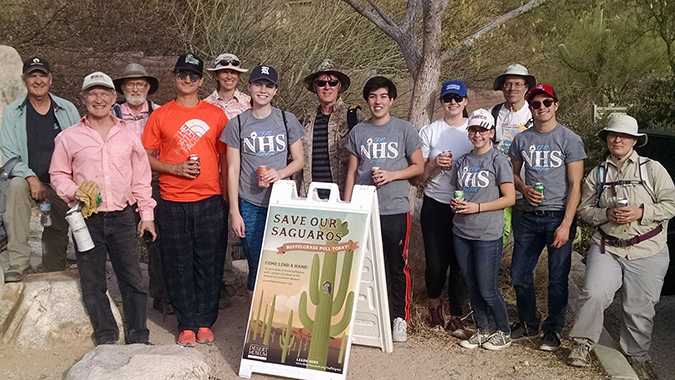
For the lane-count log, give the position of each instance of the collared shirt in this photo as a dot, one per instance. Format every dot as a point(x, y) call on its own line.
point(136, 121)
point(657, 210)
point(239, 103)
point(118, 164)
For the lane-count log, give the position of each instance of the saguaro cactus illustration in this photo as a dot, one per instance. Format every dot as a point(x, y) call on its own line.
point(257, 319)
point(286, 339)
point(270, 319)
point(328, 303)
point(343, 344)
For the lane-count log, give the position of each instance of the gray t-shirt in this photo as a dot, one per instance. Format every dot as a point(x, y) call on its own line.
point(387, 146)
point(479, 177)
point(261, 142)
point(545, 157)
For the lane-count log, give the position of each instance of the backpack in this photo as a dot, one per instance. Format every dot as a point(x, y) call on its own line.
point(117, 109)
point(601, 180)
point(5, 173)
point(352, 118)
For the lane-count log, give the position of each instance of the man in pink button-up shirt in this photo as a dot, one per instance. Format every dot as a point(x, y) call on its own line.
point(101, 148)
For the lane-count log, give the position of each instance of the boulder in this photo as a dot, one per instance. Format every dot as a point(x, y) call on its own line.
point(11, 86)
point(138, 361)
point(46, 310)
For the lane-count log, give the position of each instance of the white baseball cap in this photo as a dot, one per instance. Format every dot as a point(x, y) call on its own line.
point(481, 118)
point(97, 78)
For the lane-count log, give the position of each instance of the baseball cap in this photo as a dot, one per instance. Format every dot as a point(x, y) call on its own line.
point(541, 88)
point(36, 63)
point(189, 62)
point(227, 61)
point(454, 86)
point(264, 73)
point(481, 118)
point(97, 78)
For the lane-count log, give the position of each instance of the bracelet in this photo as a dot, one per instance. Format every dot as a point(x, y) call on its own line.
point(479, 207)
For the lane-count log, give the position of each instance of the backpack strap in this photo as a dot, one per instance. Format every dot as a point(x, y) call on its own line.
point(495, 115)
point(117, 110)
point(6, 170)
point(352, 118)
point(283, 116)
point(645, 179)
point(149, 108)
point(600, 177)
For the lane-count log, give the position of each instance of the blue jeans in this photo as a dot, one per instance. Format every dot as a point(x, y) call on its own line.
point(480, 261)
point(534, 231)
point(254, 223)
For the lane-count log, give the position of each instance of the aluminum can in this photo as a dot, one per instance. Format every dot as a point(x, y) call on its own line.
point(262, 170)
point(540, 188)
point(195, 158)
point(458, 195)
point(447, 153)
point(374, 168)
point(621, 202)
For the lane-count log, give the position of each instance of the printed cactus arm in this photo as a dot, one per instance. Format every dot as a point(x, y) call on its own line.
point(270, 320)
point(314, 280)
point(257, 321)
point(286, 339)
point(262, 322)
point(302, 313)
point(346, 317)
point(345, 277)
point(343, 344)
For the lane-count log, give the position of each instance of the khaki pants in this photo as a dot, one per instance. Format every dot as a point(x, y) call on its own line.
point(17, 220)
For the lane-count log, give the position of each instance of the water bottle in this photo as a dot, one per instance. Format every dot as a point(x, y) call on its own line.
point(45, 210)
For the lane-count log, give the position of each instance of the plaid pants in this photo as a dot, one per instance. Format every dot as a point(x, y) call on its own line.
point(194, 237)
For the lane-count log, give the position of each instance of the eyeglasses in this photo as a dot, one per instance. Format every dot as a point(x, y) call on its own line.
point(322, 83)
point(138, 85)
point(447, 98)
point(537, 104)
point(482, 132)
point(515, 86)
point(193, 76)
point(228, 62)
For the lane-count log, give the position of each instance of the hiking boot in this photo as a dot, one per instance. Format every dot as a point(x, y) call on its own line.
point(497, 341)
point(457, 328)
point(644, 370)
point(550, 341)
point(187, 338)
point(160, 303)
point(224, 302)
point(520, 330)
point(14, 274)
point(205, 335)
point(436, 316)
point(579, 357)
point(475, 341)
point(400, 331)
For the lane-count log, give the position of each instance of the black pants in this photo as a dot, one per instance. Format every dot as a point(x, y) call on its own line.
point(395, 240)
point(436, 220)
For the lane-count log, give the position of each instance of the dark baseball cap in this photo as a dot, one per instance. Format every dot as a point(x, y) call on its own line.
point(36, 63)
point(191, 63)
point(264, 73)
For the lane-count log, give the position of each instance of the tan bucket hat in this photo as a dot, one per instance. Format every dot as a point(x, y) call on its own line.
point(620, 123)
point(517, 70)
point(135, 71)
point(327, 67)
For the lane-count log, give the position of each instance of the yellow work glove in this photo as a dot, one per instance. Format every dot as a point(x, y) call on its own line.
point(87, 194)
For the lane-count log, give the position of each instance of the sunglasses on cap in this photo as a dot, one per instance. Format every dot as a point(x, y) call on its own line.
point(447, 98)
point(184, 74)
point(322, 83)
point(537, 104)
point(228, 62)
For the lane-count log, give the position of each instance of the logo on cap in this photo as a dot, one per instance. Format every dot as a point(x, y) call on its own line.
point(452, 86)
point(265, 70)
point(36, 60)
point(191, 59)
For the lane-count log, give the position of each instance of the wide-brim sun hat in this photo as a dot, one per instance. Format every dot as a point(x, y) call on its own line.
point(219, 64)
point(516, 70)
point(620, 123)
point(136, 71)
point(329, 68)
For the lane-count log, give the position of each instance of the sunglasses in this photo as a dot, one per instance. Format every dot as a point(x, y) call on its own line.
point(228, 62)
point(322, 83)
point(183, 74)
point(537, 104)
point(447, 98)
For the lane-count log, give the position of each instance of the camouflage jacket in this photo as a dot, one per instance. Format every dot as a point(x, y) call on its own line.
point(338, 130)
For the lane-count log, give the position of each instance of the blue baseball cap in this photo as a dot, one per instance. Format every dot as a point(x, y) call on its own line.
point(454, 86)
point(264, 73)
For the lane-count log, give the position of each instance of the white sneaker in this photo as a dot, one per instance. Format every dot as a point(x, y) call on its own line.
point(400, 330)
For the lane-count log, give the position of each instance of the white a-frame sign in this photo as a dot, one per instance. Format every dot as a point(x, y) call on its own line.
point(320, 285)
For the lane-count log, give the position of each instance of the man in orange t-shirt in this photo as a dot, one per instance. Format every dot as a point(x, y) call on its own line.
point(192, 212)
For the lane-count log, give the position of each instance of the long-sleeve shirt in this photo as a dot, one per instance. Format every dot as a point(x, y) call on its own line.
point(118, 164)
point(657, 210)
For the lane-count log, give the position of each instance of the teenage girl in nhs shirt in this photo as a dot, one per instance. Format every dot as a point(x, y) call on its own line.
point(486, 177)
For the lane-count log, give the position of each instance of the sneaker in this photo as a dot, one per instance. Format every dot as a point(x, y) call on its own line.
point(550, 341)
point(457, 328)
point(579, 357)
point(436, 316)
point(205, 335)
point(187, 338)
point(520, 330)
point(644, 370)
point(400, 330)
point(497, 341)
point(14, 274)
point(475, 341)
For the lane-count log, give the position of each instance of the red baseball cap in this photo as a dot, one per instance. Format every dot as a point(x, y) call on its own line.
point(541, 88)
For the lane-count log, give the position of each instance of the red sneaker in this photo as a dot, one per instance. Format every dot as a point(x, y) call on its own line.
point(187, 338)
point(205, 335)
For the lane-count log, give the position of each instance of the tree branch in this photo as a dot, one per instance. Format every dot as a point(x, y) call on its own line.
point(382, 13)
point(411, 12)
point(392, 31)
point(470, 41)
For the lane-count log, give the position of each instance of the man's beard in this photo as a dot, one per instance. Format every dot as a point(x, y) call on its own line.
point(136, 100)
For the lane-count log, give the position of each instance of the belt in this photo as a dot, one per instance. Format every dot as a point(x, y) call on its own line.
point(546, 212)
point(623, 243)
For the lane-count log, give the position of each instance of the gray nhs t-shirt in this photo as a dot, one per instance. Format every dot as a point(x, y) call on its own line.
point(545, 157)
point(480, 177)
point(387, 146)
point(261, 142)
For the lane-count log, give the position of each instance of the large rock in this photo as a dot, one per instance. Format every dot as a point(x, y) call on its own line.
point(11, 86)
point(46, 310)
point(137, 362)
